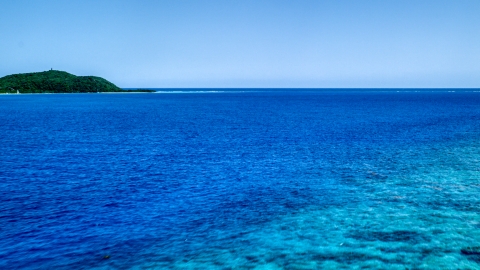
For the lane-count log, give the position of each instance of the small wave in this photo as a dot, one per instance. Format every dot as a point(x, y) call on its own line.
point(199, 92)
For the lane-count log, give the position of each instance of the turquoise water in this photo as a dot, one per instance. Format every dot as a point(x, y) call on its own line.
point(419, 220)
point(241, 180)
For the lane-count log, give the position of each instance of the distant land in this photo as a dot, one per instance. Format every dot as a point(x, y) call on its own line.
point(55, 81)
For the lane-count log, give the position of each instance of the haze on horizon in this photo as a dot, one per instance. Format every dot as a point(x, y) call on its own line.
point(181, 44)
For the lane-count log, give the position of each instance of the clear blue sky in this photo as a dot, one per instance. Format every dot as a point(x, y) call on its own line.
point(229, 43)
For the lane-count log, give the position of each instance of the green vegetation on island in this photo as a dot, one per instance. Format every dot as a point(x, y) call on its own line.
point(54, 81)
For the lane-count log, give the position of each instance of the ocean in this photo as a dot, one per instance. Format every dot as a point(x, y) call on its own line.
point(241, 179)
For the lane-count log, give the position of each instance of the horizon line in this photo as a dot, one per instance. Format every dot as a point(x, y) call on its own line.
point(303, 88)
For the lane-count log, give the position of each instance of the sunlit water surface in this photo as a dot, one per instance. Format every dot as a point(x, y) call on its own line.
point(240, 179)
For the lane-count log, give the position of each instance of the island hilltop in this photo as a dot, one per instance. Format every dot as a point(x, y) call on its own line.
point(54, 81)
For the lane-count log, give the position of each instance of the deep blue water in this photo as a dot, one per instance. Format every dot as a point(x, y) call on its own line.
point(240, 179)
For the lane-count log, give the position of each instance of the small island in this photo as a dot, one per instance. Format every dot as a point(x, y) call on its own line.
point(55, 81)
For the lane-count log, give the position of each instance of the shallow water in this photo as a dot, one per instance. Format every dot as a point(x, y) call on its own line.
point(264, 180)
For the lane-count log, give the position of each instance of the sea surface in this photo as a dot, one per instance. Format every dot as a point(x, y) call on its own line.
point(241, 179)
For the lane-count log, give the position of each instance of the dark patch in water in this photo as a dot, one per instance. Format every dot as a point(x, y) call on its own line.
point(392, 250)
point(347, 257)
point(470, 250)
point(376, 176)
point(395, 236)
point(472, 253)
point(276, 257)
point(458, 204)
point(253, 259)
